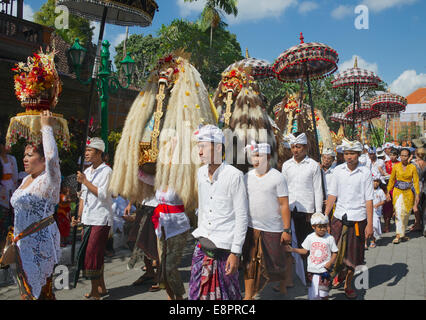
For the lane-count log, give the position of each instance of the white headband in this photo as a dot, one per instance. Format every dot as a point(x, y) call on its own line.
point(351, 145)
point(96, 143)
point(319, 218)
point(388, 145)
point(329, 152)
point(300, 139)
point(209, 133)
point(258, 147)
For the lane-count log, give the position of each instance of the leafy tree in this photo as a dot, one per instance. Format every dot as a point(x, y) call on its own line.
point(144, 50)
point(212, 14)
point(181, 34)
point(409, 133)
point(78, 27)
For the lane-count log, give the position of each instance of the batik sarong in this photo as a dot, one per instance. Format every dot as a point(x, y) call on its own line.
point(90, 256)
point(170, 252)
point(264, 257)
point(350, 241)
point(208, 279)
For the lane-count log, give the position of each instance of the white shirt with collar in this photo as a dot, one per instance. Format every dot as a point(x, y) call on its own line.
point(304, 185)
point(328, 175)
point(97, 210)
point(222, 207)
point(352, 189)
point(374, 168)
point(363, 159)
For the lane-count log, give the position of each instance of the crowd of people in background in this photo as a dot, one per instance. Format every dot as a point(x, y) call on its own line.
point(317, 218)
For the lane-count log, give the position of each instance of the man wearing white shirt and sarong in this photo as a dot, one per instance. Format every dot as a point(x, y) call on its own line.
point(269, 230)
point(303, 177)
point(222, 222)
point(95, 213)
point(352, 221)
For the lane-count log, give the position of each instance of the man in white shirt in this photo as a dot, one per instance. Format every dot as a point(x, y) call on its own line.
point(303, 177)
point(222, 222)
point(95, 213)
point(376, 166)
point(352, 221)
point(269, 228)
point(387, 147)
point(363, 158)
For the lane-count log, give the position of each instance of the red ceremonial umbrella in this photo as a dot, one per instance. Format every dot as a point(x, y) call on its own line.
point(388, 103)
point(259, 69)
point(304, 62)
point(363, 113)
point(340, 118)
point(359, 79)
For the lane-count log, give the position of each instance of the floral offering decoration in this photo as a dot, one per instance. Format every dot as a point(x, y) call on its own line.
point(37, 83)
point(37, 87)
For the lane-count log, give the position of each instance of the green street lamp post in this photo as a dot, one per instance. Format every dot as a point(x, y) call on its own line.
point(106, 83)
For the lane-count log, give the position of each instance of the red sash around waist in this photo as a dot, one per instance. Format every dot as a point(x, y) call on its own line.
point(165, 208)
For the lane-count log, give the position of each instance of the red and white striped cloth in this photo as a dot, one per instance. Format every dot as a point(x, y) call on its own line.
point(169, 215)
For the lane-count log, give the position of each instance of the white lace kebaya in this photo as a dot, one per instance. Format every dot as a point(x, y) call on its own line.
point(39, 251)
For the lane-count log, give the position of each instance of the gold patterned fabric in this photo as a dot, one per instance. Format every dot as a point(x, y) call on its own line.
point(27, 125)
point(403, 200)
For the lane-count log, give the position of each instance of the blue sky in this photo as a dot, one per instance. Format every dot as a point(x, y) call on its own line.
point(393, 46)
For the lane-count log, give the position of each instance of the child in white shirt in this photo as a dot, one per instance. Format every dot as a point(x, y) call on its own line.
point(379, 200)
point(322, 250)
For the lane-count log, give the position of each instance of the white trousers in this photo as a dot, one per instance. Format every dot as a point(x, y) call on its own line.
point(314, 292)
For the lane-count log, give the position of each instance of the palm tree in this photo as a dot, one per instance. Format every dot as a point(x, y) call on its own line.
point(211, 17)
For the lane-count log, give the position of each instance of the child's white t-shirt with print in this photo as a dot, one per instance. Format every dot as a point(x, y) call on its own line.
point(378, 197)
point(320, 250)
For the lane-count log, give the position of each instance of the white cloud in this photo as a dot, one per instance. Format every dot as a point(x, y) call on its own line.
point(361, 64)
point(28, 12)
point(408, 82)
point(248, 10)
point(188, 8)
point(307, 6)
point(255, 10)
point(380, 5)
point(96, 31)
point(117, 40)
point(342, 11)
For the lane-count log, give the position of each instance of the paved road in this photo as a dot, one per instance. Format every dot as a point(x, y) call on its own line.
point(395, 272)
